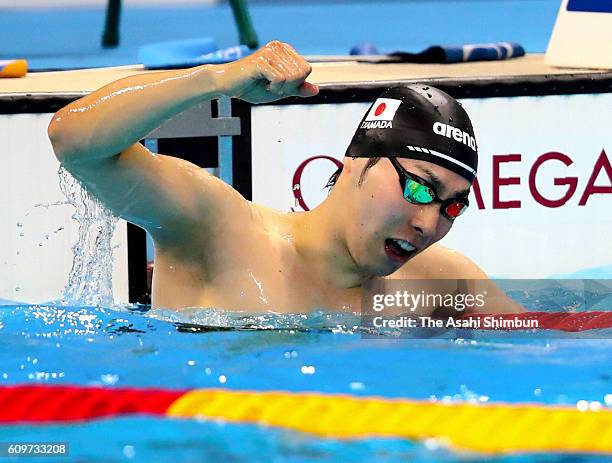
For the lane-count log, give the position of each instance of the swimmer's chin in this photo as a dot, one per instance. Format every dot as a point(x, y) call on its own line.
point(392, 267)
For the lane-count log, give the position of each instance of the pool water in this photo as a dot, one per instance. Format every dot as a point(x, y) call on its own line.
point(54, 344)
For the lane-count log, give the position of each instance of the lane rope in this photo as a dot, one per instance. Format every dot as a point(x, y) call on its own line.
point(480, 427)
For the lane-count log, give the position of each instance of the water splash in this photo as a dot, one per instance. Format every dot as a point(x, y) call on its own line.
point(90, 279)
point(319, 320)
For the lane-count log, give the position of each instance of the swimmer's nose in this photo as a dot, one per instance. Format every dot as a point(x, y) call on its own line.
point(425, 219)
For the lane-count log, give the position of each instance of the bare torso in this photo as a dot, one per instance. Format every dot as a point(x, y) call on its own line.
point(255, 268)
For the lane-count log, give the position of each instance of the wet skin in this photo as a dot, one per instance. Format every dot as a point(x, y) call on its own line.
point(262, 259)
point(215, 249)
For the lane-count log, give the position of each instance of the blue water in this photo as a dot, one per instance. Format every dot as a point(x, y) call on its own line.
point(96, 346)
point(163, 440)
point(70, 38)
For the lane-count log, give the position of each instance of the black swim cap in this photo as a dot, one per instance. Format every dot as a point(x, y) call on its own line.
point(418, 122)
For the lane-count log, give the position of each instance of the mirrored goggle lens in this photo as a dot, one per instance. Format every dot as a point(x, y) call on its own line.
point(416, 192)
point(455, 209)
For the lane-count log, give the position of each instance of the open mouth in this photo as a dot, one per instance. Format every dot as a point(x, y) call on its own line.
point(399, 250)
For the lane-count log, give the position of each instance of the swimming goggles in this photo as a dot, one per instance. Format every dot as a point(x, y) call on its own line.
point(419, 191)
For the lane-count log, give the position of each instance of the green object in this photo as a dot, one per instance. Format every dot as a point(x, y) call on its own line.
point(248, 36)
point(246, 30)
point(419, 191)
point(110, 38)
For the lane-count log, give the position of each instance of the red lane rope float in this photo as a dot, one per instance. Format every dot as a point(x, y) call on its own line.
point(34, 403)
point(483, 427)
point(563, 321)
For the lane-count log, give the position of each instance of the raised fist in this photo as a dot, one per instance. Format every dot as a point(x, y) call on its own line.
point(273, 72)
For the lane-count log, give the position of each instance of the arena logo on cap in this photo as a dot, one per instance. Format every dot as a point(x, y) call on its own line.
point(459, 135)
point(381, 114)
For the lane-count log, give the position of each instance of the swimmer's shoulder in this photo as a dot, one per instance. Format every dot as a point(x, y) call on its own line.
point(269, 219)
point(237, 221)
point(447, 265)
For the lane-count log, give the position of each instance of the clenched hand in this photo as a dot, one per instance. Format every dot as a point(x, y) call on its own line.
point(273, 72)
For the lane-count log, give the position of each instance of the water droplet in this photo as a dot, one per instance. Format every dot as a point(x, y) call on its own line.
point(129, 451)
point(582, 405)
point(595, 406)
point(109, 379)
point(17, 289)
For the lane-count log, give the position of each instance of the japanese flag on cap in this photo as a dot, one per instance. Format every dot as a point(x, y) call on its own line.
point(406, 121)
point(383, 109)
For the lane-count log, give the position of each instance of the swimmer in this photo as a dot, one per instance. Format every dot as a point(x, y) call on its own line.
point(404, 181)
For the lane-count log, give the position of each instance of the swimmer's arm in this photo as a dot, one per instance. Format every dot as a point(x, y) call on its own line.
point(458, 266)
point(96, 140)
point(113, 118)
point(118, 115)
point(96, 137)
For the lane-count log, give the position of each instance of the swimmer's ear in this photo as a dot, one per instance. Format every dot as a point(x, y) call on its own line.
point(307, 89)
